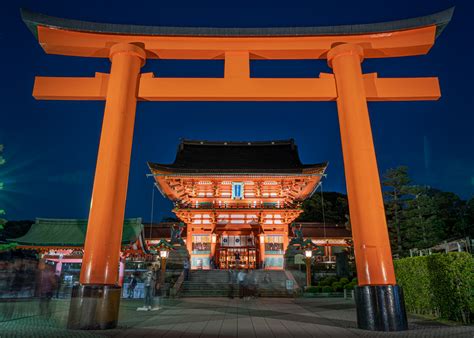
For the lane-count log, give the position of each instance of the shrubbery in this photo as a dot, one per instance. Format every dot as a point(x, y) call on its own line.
point(337, 286)
point(344, 281)
point(311, 289)
point(326, 289)
point(441, 285)
point(350, 286)
point(330, 284)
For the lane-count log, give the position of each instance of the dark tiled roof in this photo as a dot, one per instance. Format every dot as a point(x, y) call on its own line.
point(70, 232)
point(318, 230)
point(33, 20)
point(237, 157)
point(159, 230)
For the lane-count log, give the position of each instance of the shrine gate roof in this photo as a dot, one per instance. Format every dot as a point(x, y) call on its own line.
point(33, 20)
point(238, 157)
point(70, 232)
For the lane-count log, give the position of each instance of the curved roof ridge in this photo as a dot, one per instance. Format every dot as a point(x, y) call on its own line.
point(33, 20)
point(290, 141)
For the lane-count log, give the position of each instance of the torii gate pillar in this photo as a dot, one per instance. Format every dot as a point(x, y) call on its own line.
point(95, 301)
point(376, 277)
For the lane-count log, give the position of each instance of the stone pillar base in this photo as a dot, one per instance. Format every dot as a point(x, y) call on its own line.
point(380, 308)
point(94, 307)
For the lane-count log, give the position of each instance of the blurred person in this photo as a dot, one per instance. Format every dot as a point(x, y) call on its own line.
point(8, 292)
point(149, 281)
point(131, 285)
point(252, 285)
point(158, 296)
point(186, 269)
point(237, 259)
point(46, 284)
point(266, 278)
point(232, 277)
point(241, 279)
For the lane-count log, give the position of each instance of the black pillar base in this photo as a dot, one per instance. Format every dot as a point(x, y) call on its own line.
point(380, 308)
point(94, 307)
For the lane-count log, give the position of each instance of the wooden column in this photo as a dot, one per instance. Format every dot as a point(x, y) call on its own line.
point(369, 228)
point(104, 232)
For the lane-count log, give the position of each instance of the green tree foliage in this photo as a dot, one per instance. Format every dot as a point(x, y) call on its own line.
point(336, 208)
point(417, 216)
point(396, 182)
point(423, 226)
point(2, 212)
point(3, 246)
point(421, 217)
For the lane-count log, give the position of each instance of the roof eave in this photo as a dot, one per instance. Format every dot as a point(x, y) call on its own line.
point(33, 20)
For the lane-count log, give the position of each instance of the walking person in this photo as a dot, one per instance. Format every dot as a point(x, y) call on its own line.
point(158, 296)
point(149, 281)
point(241, 279)
point(186, 269)
point(46, 284)
point(231, 281)
point(131, 285)
point(237, 260)
point(254, 284)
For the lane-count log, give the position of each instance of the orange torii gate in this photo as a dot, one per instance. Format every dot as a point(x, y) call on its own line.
point(379, 300)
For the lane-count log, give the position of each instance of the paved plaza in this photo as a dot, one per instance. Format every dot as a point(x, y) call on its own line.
point(219, 317)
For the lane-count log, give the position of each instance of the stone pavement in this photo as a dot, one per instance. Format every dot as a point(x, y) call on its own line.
point(220, 317)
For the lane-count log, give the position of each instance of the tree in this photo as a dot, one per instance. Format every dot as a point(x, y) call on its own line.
point(423, 227)
point(2, 212)
point(3, 246)
point(451, 211)
point(397, 181)
point(468, 218)
point(336, 208)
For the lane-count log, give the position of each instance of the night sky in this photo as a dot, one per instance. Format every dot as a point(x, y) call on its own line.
point(51, 146)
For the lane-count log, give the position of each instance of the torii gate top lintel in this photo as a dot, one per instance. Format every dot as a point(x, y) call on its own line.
point(413, 36)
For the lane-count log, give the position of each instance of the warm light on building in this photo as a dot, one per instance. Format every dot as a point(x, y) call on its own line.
point(249, 202)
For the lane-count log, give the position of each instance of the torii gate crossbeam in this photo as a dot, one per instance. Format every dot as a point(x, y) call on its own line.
point(379, 299)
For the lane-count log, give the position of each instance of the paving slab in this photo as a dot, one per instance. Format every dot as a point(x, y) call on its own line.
point(218, 317)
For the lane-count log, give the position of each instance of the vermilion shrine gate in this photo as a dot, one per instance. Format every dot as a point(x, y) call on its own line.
point(379, 300)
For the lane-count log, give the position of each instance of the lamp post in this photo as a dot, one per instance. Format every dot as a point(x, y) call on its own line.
point(262, 250)
point(164, 253)
point(308, 254)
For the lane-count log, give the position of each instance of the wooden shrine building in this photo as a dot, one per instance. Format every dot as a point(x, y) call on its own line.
point(237, 199)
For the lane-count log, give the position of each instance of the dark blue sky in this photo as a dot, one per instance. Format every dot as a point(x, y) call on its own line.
point(51, 146)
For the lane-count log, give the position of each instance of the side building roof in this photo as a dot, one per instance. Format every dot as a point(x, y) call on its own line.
point(321, 231)
point(51, 232)
point(238, 157)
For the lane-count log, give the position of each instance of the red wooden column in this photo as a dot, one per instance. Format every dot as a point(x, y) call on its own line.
point(375, 272)
point(369, 227)
point(99, 292)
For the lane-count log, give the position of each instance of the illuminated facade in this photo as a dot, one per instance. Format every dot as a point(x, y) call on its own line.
point(237, 199)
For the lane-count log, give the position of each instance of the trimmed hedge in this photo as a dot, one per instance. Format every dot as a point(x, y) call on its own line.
point(344, 281)
point(326, 289)
point(441, 285)
point(312, 289)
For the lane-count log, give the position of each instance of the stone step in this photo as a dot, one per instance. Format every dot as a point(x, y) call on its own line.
point(214, 283)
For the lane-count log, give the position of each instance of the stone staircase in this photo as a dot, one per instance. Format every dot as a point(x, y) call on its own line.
point(215, 283)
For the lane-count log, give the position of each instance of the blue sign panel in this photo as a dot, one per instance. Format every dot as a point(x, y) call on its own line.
point(237, 190)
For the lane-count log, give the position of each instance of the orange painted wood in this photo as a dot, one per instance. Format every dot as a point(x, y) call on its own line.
point(104, 232)
point(237, 89)
point(71, 88)
point(379, 45)
point(369, 228)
